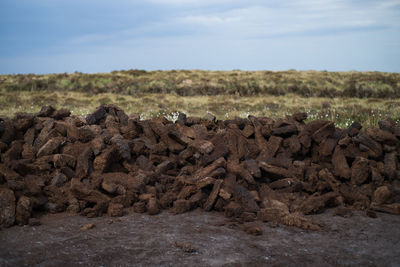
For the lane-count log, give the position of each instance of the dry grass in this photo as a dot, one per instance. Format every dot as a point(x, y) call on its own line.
point(197, 82)
point(341, 110)
point(343, 97)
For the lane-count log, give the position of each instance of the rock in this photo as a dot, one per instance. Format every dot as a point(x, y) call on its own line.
point(152, 206)
point(122, 146)
point(23, 210)
point(343, 212)
point(203, 172)
point(186, 247)
point(294, 144)
point(200, 131)
point(182, 206)
point(252, 167)
point(327, 176)
point(382, 194)
point(243, 197)
point(187, 191)
point(239, 171)
point(61, 113)
point(103, 161)
point(203, 146)
point(7, 207)
point(324, 132)
point(248, 131)
point(340, 165)
point(181, 118)
point(224, 194)
point(381, 136)
point(374, 149)
point(14, 152)
point(84, 163)
point(50, 147)
point(210, 117)
point(220, 151)
point(28, 152)
point(393, 208)
point(233, 209)
point(275, 171)
point(139, 207)
point(59, 179)
point(213, 196)
point(46, 111)
point(316, 203)
point(390, 165)
point(273, 145)
point(300, 116)
point(3, 147)
point(118, 183)
point(144, 163)
point(115, 210)
point(218, 173)
point(359, 170)
point(109, 187)
point(97, 145)
point(204, 182)
point(371, 214)
point(8, 131)
point(164, 167)
point(86, 134)
point(354, 129)
point(387, 125)
point(34, 222)
point(345, 141)
point(283, 183)
point(96, 116)
point(180, 138)
point(88, 226)
point(376, 176)
point(252, 229)
point(260, 140)
point(64, 160)
point(285, 130)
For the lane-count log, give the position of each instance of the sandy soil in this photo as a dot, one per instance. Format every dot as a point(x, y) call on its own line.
point(199, 238)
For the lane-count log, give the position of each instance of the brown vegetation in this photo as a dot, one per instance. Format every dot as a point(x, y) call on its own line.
point(197, 82)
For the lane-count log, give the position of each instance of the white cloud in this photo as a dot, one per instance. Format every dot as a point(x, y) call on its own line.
point(302, 34)
point(294, 18)
point(207, 20)
point(258, 19)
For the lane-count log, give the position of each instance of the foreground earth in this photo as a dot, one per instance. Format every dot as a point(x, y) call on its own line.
point(201, 238)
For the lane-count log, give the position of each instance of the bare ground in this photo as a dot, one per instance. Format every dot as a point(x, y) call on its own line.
point(199, 238)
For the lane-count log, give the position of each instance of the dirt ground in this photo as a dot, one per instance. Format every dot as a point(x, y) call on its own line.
point(201, 238)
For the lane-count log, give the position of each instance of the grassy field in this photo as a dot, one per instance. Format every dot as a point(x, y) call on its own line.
point(341, 110)
point(341, 97)
point(197, 82)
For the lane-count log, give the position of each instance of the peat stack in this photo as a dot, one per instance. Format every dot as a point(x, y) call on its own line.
point(251, 169)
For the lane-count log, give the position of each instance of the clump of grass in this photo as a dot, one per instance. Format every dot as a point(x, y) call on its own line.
point(199, 82)
point(343, 111)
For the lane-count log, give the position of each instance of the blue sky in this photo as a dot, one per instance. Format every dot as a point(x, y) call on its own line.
point(48, 36)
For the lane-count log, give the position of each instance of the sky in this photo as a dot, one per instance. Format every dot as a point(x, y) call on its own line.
point(52, 36)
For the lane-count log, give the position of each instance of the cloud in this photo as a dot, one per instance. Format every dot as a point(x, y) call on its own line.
point(303, 16)
point(207, 20)
point(272, 20)
point(219, 34)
